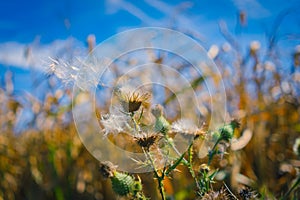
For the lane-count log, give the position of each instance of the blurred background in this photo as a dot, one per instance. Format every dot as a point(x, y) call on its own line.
point(255, 44)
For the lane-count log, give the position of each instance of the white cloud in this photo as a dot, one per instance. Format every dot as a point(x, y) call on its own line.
point(36, 55)
point(161, 6)
point(173, 15)
point(176, 17)
point(115, 5)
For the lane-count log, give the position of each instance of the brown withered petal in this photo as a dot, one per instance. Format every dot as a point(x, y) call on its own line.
point(132, 102)
point(147, 140)
point(198, 133)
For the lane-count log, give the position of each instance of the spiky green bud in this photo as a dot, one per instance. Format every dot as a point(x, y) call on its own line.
point(123, 184)
point(161, 125)
point(137, 186)
point(226, 132)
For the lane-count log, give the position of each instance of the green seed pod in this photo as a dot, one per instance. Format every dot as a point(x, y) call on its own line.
point(122, 184)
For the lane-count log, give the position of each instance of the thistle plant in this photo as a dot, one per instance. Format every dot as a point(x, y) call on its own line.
point(156, 140)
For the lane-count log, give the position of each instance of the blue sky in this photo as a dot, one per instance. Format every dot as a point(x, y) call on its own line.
point(49, 27)
point(59, 19)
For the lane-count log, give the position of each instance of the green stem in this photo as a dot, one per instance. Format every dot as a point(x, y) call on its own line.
point(187, 163)
point(175, 149)
point(161, 188)
point(136, 125)
point(190, 164)
point(157, 176)
point(217, 142)
point(213, 152)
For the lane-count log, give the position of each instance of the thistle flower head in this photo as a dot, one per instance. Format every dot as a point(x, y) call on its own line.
point(226, 132)
point(78, 71)
point(146, 140)
point(186, 127)
point(222, 194)
point(246, 194)
point(65, 71)
point(114, 122)
point(131, 102)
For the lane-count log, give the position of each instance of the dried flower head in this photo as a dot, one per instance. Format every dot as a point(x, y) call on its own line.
point(222, 194)
point(146, 140)
point(254, 47)
point(107, 169)
point(247, 194)
point(132, 102)
point(187, 128)
point(115, 122)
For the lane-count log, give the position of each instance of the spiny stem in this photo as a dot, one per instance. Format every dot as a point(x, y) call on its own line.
point(157, 176)
point(213, 152)
point(175, 149)
point(161, 189)
point(190, 164)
